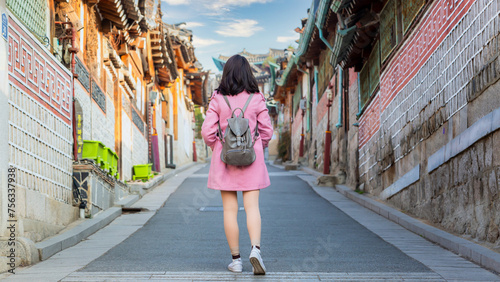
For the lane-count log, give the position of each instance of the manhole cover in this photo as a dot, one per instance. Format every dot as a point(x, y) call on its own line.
point(215, 209)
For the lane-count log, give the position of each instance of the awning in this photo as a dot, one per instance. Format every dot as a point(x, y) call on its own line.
point(219, 63)
point(343, 43)
point(338, 5)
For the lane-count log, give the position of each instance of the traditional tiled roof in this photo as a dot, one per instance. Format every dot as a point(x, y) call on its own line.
point(125, 15)
point(254, 59)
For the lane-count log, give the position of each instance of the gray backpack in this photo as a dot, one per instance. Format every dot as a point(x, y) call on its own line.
point(237, 143)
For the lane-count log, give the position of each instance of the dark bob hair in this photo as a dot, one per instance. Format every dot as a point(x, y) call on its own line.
point(237, 76)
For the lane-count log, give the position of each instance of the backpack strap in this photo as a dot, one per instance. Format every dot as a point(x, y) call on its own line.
point(247, 103)
point(218, 123)
point(227, 102)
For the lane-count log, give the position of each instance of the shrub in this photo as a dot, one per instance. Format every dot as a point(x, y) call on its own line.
point(284, 146)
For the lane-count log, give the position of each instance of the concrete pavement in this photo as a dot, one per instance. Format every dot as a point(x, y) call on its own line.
point(304, 237)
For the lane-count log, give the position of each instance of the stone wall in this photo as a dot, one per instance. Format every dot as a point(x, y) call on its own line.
point(273, 144)
point(126, 155)
point(351, 148)
point(203, 151)
point(103, 124)
point(160, 130)
point(97, 124)
point(295, 135)
point(85, 102)
point(431, 152)
point(39, 137)
point(139, 146)
point(462, 195)
point(183, 146)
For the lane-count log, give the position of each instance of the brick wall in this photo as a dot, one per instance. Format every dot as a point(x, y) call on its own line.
point(439, 86)
point(39, 135)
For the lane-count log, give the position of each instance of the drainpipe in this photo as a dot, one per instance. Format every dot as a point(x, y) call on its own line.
point(323, 38)
point(340, 21)
point(328, 133)
point(73, 51)
point(341, 85)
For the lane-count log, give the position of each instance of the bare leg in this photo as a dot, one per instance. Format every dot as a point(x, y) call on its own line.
point(251, 202)
point(230, 204)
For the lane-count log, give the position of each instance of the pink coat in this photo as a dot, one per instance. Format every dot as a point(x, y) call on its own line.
point(235, 178)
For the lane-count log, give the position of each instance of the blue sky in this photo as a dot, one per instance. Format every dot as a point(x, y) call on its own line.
point(227, 26)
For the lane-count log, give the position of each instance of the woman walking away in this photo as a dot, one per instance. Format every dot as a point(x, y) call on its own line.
point(238, 89)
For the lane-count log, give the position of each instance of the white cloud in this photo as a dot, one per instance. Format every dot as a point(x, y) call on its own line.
point(176, 2)
point(203, 42)
point(285, 39)
point(219, 4)
point(193, 24)
point(239, 28)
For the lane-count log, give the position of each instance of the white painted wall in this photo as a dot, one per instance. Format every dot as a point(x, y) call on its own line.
point(4, 128)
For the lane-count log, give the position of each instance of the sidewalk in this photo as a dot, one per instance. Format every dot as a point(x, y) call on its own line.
point(75, 234)
point(467, 249)
point(122, 226)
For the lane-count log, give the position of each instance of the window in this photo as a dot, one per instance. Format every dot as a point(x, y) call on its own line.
point(369, 77)
point(388, 28)
point(325, 72)
point(165, 113)
point(32, 13)
point(395, 20)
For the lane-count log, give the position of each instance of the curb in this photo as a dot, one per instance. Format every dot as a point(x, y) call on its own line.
point(142, 189)
point(467, 249)
point(71, 237)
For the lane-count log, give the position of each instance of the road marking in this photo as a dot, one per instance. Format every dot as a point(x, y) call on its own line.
point(271, 276)
point(271, 174)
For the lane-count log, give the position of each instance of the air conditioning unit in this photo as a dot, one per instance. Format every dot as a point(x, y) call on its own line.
point(57, 48)
point(303, 104)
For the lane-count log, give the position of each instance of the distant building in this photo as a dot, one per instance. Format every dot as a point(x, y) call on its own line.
point(261, 65)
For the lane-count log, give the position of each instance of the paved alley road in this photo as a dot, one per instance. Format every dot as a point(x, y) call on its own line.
point(304, 236)
point(297, 225)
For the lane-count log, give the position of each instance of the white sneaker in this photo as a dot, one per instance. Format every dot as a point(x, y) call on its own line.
point(257, 263)
point(236, 265)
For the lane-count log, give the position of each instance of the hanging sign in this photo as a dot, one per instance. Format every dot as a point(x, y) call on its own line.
point(5, 26)
point(79, 129)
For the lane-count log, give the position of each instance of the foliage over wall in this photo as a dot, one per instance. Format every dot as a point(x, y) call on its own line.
point(199, 121)
point(284, 146)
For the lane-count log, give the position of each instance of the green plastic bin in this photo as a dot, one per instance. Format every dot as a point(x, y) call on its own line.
point(93, 150)
point(142, 171)
point(113, 163)
point(105, 158)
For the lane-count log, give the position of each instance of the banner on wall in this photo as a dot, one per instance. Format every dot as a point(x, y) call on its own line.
point(79, 129)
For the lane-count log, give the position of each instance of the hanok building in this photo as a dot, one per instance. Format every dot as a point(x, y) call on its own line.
point(261, 65)
point(109, 72)
point(400, 102)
